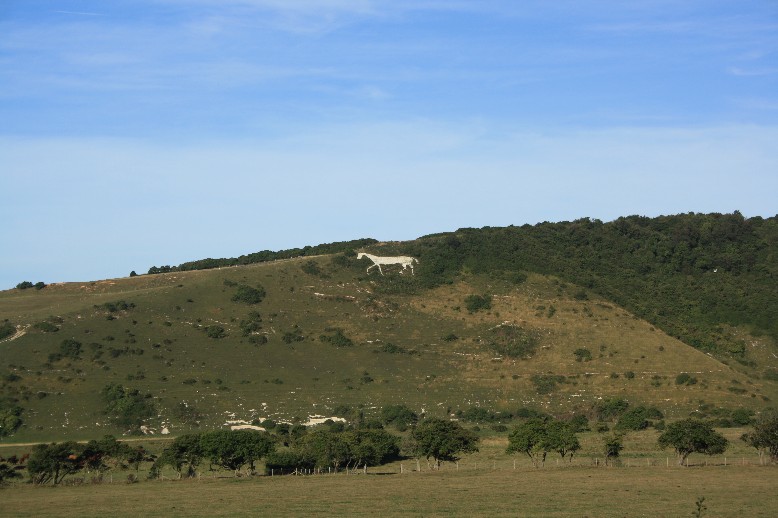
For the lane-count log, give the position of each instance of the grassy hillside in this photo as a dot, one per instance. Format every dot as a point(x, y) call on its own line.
point(327, 336)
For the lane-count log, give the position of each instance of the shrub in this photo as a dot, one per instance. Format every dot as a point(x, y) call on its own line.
point(249, 295)
point(475, 303)
point(312, 268)
point(629, 375)
point(514, 341)
point(582, 354)
point(215, 332)
point(46, 327)
point(546, 383)
point(24, 285)
point(685, 379)
point(338, 339)
point(7, 329)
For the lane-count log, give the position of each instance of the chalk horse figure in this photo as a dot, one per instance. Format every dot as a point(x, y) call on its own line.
point(402, 260)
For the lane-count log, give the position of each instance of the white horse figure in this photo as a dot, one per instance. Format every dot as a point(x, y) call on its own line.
point(402, 260)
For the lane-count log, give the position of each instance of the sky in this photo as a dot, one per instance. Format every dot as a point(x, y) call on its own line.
point(151, 132)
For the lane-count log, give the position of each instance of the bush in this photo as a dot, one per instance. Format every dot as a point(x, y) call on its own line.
point(46, 327)
point(249, 295)
point(546, 383)
point(312, 268)
point(7, 329)
point(215, 332)
point(514, 342)
point(338, 339)
point(475, 303)
point(24, 285)
point(582, 355)
point(685, 379)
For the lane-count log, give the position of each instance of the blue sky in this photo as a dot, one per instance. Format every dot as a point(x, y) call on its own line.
point(150, 132)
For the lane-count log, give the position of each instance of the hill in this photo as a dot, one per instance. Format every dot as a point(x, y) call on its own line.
point(555, 317)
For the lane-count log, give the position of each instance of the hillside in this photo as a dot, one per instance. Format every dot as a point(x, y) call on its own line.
point(328, 339)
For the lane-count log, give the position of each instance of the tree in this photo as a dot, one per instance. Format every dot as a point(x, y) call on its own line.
point(764, 437)
point(233, 449)
point(370, 447)
point(10, 416)
point(7, 472)
point(613, 447)
point(52, 462)
point(692, 436)
point(530, 438)
point(127, 408)
point(562, 438)
point(399, 416)
point(184, 455)
point(249, 295)
point(442, 440)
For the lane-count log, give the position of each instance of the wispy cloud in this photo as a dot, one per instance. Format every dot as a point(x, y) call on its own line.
point(79, 13)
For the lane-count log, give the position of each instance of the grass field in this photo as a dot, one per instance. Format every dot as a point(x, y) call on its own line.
point(645, 482)
point(566, 491)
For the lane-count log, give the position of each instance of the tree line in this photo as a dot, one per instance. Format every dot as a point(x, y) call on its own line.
point(334, 447)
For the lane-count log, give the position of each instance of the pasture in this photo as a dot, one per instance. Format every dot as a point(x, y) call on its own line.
point(551, 491)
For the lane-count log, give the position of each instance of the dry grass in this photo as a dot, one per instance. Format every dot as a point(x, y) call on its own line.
point(576, 491)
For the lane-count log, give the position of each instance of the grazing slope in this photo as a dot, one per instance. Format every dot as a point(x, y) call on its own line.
point(291, 338)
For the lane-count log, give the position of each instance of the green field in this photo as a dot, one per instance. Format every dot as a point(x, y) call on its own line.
point(565, 491)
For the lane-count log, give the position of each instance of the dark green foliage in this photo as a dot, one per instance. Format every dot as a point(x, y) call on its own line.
point(7, 472)
point(249, 295)
point(513, 341)
point(475, 303)
point(46, 327)
point(451, 337)
point(70, 349)
point(252, 324)
point(546, 383)
point(610, 409)
point(127, 408)
point(313, 268)
point(215, 332)
point(184, 454)
point(7, 329)
point(441, 440)
point(40, 285)
point(613, 446)
point(53, 462)
point(692, 436)
point(24, 285)
point(582, 354)
point(10, 416)
point(686, 274)
point(233, 449)
point(115, 307)
point(295, 335)
point(535, 437)
point(133, 274)
point(685, 379)
point(390, 348)
point(266, 256)
point(764, 436)
point(637, 418)
point(338, 339)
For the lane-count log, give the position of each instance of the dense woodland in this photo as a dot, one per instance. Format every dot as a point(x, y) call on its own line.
point(690, 274)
